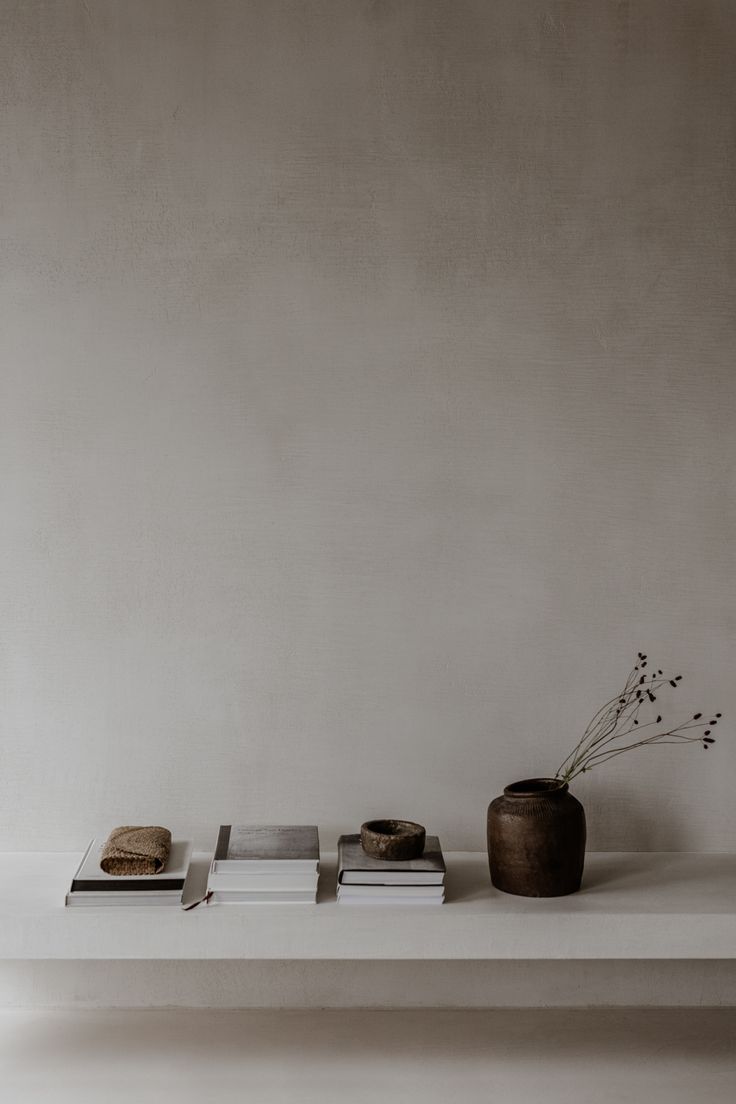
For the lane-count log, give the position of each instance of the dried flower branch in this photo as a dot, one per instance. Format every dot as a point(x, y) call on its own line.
point(619, 718)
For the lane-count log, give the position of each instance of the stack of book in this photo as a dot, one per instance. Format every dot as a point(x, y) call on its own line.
point(92, 887)
point(264, 864)
point(362, 880)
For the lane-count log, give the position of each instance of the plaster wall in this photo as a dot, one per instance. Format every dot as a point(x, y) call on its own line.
point(367, 403)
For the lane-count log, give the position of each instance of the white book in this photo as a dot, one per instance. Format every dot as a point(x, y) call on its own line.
point(388, 902)
point(91, 887)
point(261, 883)
point(244, 897)
point(267, 848)
point(122, 900)
point(391, 893)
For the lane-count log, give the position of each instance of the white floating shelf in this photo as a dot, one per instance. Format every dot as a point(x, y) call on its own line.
point(632, 906)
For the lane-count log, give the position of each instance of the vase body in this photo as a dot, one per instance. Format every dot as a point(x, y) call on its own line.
point(536, 839)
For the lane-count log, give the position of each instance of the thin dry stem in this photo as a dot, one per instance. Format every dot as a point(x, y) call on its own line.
point(618, 718)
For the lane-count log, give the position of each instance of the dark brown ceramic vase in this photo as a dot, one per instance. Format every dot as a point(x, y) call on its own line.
point(536, 839)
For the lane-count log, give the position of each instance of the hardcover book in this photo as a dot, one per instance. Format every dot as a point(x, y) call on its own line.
point(91, 887)
point(262, 883)
point(266, 848)
point(350, 900)
point(398, 893)
point(123, 900)
point(263, 897)
point(354, 867)
point(90, 877)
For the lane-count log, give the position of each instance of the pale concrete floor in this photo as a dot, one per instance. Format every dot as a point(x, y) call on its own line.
point(602, 1057)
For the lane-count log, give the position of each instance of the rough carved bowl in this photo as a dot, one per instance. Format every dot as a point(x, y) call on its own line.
point(393, 840)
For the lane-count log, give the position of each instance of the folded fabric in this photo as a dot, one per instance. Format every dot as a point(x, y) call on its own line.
point(133, 850)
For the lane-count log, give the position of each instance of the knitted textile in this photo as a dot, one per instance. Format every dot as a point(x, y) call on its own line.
point(132, 850)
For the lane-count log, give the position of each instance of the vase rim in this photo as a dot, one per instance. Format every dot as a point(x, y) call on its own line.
point(536, 787)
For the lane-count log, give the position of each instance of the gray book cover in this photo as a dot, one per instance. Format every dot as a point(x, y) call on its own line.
point(352, 858)
point(268, 842)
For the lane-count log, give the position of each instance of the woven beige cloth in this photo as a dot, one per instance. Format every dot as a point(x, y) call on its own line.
point(134, 850)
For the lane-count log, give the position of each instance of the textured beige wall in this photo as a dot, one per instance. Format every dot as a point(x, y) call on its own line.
point(367, 402)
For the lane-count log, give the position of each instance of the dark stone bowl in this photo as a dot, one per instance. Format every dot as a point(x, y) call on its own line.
point(393, 840)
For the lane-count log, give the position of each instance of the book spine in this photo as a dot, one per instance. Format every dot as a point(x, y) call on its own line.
point(223, 842)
